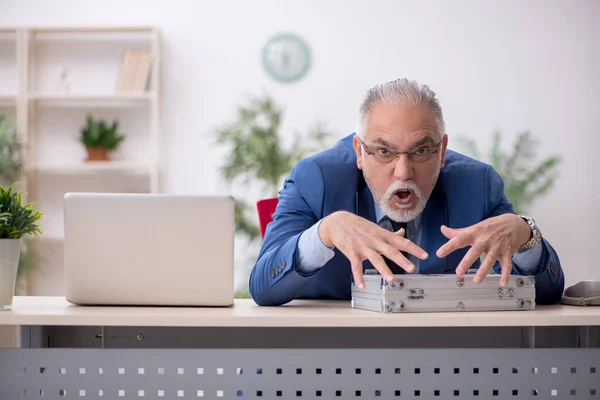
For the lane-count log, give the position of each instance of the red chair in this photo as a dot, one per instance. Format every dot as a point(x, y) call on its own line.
point(266, 209)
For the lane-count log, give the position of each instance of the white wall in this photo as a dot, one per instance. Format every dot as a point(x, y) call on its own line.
point(512, 65)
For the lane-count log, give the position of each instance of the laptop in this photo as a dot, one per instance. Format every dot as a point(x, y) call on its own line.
point(149, 249)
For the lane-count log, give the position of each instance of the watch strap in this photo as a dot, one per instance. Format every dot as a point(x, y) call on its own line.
point(536, 237)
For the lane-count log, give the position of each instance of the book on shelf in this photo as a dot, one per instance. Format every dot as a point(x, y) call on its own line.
point(135, 72)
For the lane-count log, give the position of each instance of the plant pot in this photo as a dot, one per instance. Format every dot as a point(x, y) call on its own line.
point(97, 154)
point(10, 250)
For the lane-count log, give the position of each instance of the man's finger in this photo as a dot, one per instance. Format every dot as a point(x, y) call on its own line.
point(485, 268)
point(404, 244)
point(506, 264)
point(395, 255)
point(356, 265)
point(379, 264)
point(467, 261)
point(400, 232)
point(457, 242)
point(451, 232)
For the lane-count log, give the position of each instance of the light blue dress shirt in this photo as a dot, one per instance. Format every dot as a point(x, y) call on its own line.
point(313, 254)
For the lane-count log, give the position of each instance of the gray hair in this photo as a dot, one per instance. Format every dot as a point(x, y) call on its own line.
point(400, 92)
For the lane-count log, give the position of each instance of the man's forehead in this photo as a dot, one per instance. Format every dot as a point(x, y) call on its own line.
point(401, 120)
point(383, 110)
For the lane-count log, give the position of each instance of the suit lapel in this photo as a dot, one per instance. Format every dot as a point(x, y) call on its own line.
point(365, 207)
point(434, 216)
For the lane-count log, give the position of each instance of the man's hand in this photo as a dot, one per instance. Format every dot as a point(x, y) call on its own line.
point(498, 237)
point(359, 239)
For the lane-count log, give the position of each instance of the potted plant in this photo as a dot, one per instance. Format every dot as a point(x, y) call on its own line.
point(259, 158)
point(525, 177)
point(16, 221)
point(10, 172)
point(99, 138)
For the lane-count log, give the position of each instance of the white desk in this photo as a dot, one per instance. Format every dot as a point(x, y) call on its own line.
point(299, 313)
point(306, 349)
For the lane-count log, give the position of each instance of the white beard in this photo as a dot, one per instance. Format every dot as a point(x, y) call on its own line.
point(408, 212)
point(402, 212)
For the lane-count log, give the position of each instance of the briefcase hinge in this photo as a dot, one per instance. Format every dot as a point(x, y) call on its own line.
point(524, 303)
point(399, 284)
point(394, 306)
point(528, 281)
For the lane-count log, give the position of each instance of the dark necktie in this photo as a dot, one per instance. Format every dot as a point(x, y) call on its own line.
point(393, 226)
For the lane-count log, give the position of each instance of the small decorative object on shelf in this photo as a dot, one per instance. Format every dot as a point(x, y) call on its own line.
point(63, 85)
point(16, 221)
point(99, 139)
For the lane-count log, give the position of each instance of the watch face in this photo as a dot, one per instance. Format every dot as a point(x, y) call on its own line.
point(286, 57)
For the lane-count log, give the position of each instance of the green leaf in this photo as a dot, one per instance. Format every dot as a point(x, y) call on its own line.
point(524, 153)
point(10, 152)
point(17, 219)
point(98, 134)
point(496, 156)
point(242, 222)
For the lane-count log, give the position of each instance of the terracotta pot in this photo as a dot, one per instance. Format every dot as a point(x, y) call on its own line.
point(97, 154)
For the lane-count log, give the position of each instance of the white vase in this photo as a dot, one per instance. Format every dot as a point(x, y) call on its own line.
point(10, 250)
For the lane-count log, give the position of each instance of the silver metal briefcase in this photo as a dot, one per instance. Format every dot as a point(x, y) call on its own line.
point(442, 292)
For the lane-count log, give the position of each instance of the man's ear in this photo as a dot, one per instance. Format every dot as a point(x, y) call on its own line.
point(444, 146)
point(358, 150)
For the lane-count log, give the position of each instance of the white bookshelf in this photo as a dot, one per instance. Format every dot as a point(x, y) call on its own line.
point(90, 168)
point(49, 118)
point(8, 101)
point(117, 100)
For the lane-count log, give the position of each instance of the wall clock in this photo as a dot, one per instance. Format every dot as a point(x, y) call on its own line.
point(286, 57)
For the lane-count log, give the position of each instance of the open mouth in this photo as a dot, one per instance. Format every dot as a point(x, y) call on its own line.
point(403, 196)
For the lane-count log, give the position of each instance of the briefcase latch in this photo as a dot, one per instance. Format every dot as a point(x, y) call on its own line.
point(506, 293)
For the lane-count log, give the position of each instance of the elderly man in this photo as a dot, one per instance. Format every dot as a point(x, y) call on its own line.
point(393, 198)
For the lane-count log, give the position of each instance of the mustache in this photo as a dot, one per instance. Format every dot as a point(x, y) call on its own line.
point(403, 185)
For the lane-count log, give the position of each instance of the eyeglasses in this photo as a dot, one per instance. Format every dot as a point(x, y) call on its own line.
point(385, 155)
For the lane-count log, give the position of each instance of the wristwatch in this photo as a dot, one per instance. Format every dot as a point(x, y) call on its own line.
point(536, 238)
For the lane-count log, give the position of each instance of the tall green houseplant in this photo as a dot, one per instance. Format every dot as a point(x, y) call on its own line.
point(258, 159)
point(257, 155)
point(526, 178)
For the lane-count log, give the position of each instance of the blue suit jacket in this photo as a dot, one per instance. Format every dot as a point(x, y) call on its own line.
point(467, 192)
